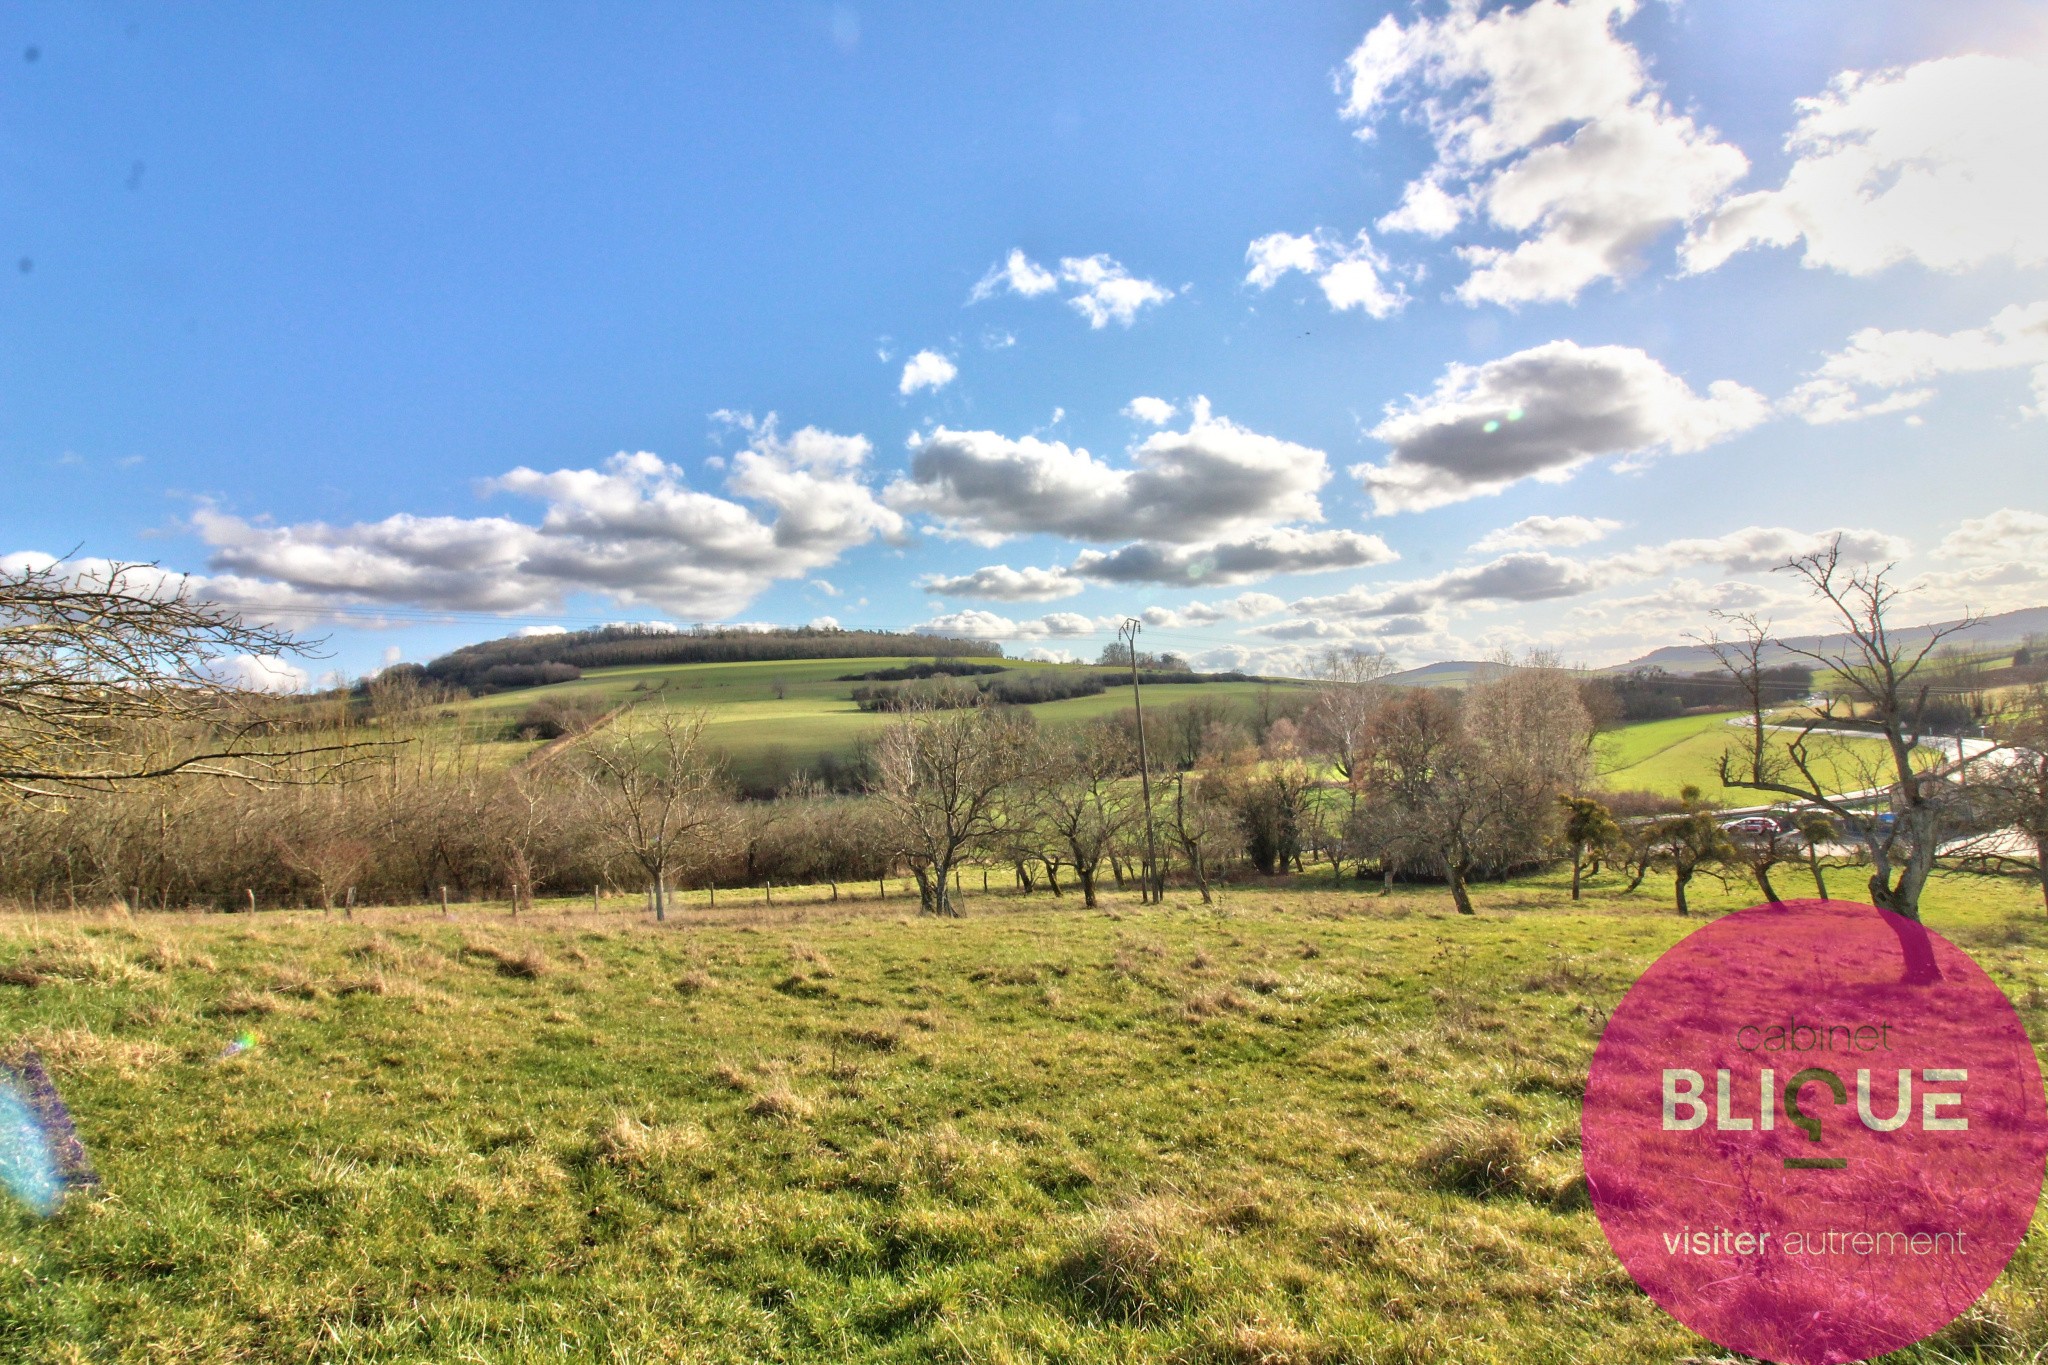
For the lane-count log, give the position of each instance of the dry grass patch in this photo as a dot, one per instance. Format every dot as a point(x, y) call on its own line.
point(240, 1004)
point(626, 1141)
point(778, 1100)
point(1141, 1260)
point(1485, 1160)
point(696, 981)
point(1214, 1004)
point(164, 955)
point(72, 1050)
point(1263, 982)
point(808, 961)
point(81, 960)
point(526, 962)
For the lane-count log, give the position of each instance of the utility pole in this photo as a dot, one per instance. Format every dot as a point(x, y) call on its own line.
point(1154, 891)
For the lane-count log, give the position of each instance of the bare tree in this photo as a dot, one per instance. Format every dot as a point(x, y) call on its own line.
point(943, 778)
point(1337, 726)
point(1887, 684)
point(1200, 826)
point(1080, 797)
point(656, 796)
point(2015, 791)
point(115, 675)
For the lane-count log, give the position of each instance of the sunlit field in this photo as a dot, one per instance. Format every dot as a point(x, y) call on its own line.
point(1309, 1123)
point(789, 714)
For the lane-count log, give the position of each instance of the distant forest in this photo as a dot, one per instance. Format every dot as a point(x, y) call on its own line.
point(536, 660)
point(1653, 694)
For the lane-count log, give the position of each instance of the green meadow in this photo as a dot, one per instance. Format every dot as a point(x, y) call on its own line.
point(1666, 756)
point(755, 728)
point(1307, 1124)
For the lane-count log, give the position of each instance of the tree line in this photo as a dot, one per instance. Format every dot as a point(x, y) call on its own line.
point(131, 773)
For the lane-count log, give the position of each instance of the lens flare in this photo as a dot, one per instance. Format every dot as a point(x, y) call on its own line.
point(27, 1164)
point(238, 1045)
point(40, 1155)
point(1491, 426)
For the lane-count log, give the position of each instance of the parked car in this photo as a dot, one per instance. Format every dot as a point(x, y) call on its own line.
point(1760, 825)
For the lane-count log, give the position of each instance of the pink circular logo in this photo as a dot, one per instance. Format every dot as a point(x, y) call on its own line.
point(1798, 1156)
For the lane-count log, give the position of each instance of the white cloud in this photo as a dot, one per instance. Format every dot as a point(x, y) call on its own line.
point(987, 625)
point(1154, 411)
point(1542, 413)
point(1546, 121)
point(2009, 535)
point(534, 632)
point(1212, 481)
point(1099, 288)
point(1106, 292)
point(1900, 363)
point(1281, 550)
point(631, 530)
point(1001, 583)
point(824, 623)
point(1427, 209)
point(1938, 163)
point(1539, 532)
point(1019, 274)
point(393, 654)
point(1246, 606)
point(262, 673)
point(1539, 576)
point(825, 586)
point(926, 370)
point(1351, 275)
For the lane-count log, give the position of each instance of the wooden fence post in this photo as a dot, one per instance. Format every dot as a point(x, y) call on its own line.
point(252, 899)
point(444, 902)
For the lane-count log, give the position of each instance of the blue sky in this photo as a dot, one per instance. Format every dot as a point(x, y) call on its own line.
point(419, 324)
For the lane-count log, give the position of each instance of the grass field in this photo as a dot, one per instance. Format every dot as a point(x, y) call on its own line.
point(756, 730)
point(826, 1133)
point(1665, 756)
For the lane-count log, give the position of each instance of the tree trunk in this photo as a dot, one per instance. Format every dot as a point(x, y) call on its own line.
point(1087, 878)
point(1763, 882)
point(1642, 871)
point(1576, 866)
point(1820, 883)
point(1052, 880)
point(1024, 877)
point(1387, 879)
point(1202, 878)
point(1920, 967)
point(660, 898)
point(1678, 885)
point(1459, 895)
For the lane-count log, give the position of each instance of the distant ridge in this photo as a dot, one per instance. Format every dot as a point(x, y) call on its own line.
point(2007, 628)
point(536, 660)
point(1450, 673)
